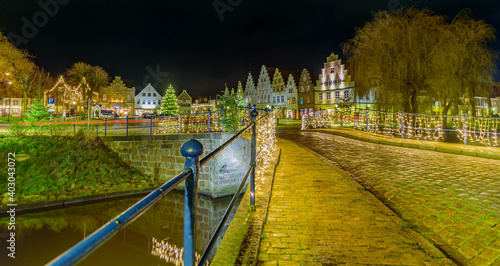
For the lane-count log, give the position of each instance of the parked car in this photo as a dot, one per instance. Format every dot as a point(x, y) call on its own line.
point(109, 114)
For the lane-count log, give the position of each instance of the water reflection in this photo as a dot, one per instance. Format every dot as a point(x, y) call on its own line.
point(42, 236)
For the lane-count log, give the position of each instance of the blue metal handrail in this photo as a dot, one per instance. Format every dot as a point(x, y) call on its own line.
point(99, 237)
point(192, 149)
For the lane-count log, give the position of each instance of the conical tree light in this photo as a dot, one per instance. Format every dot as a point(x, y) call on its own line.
point(169, 105)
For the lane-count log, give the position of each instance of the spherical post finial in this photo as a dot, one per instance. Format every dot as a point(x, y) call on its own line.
point(192, 148)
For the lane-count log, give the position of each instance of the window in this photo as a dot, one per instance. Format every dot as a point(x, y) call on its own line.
point(143, 101)
point(143, 94)
point(304, 78)
point(307, 88)
point(346, 94)
point(308, 99)
point(138, 101)
point(129, 98)
point(154, 101)
point(149, 101)
point(149, 94)
point(104, 97)
point(301, 88)
point(290, 90)
point(274, 99)
point(293, 99)
point(288, 100)
point(337, 95)
point(282, 98)
point(184, 99)
point(320, 97)
point(328, 96)
point(154, 94)
point(332, 70)
point(301, 100)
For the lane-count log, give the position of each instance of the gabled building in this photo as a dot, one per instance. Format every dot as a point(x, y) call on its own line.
point(117, 97)
point(305, 93)
point(250, 90)
point(147, 100)
point(184, 101)
point(334, 85)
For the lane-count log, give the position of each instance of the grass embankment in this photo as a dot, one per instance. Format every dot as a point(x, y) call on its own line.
point(59, 168)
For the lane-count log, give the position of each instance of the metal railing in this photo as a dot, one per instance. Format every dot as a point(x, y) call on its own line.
point(191, 149)
point(436, 127)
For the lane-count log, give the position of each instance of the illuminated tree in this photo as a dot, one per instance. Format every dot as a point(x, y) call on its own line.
point(413, 58)
point(231, 110)
point(169, 105)
point(12, 61)
point(38, 112)
point(90, 78)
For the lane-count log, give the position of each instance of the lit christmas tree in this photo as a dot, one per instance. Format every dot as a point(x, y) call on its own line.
point(169, 105)
point(38, 112)
point(230, 114)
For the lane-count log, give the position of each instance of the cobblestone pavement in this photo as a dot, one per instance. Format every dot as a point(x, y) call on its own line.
point(317, 216)
point(454, 200)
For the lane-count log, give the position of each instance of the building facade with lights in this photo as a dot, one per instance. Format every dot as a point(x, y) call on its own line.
point(147, 100)
point(305, 93)
point(11, 107)
point(273, 88)
point(334, 86)
point(185, 102)
point(68, 100)
point(117, 97)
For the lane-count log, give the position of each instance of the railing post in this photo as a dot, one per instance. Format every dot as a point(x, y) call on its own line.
point(465, 130)
point(367, 120)
point(253, 148)
point(105, 126)
point(178, 123)
point(151, 125)
point(402, 125)
point(192, 149)
point(208, 121)
point(127, 125)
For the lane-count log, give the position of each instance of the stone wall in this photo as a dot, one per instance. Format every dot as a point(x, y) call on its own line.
point(160, 157)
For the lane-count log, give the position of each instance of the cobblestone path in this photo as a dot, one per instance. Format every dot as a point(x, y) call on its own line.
point(454, 200)
point(319, 217)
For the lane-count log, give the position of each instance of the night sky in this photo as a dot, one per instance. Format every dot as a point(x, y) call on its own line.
point(190, 45)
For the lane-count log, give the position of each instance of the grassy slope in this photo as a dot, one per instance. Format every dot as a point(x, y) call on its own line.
point(60, 168)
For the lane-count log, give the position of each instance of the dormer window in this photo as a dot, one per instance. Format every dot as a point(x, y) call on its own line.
point(332, 70)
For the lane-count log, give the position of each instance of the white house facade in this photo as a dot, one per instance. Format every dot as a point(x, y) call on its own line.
point(147, 100)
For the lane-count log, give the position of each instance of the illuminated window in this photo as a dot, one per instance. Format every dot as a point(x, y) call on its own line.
point(301, 88)
point(293, 99)
point(129, 98)
point(282, 98)
point(149, 101)
point(104, 97)
point(307, 88)
point(328, 96)
point(301, 100)
point(138, 101)
point(332, 70)
point(320, 97)
point(304, 78)
point(308, 99)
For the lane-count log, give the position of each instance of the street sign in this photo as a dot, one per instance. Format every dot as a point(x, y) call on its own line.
point(51, 100)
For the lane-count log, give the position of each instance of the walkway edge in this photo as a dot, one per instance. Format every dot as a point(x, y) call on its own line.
point(241, 241)
point(428, 246)
point(44, 206)
point(394, 142)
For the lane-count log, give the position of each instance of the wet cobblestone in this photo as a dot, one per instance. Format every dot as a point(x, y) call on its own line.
point(317, 216)
point(453, 200)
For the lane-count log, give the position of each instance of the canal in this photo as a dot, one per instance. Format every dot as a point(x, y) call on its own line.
point(155, 238)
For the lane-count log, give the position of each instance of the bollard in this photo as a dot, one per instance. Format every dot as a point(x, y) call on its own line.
point(367, 120)
point(402, 125)
point(254, 115)
point(178, 123)
point(191, 149)
point(208, 121)
point(105, 126)
point(465, 130)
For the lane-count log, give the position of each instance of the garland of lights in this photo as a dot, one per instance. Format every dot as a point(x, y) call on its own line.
point(481, 130)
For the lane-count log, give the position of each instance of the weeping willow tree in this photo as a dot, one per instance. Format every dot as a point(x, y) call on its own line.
point(414, 58)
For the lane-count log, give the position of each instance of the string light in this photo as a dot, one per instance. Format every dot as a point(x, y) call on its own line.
point(481, 130)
